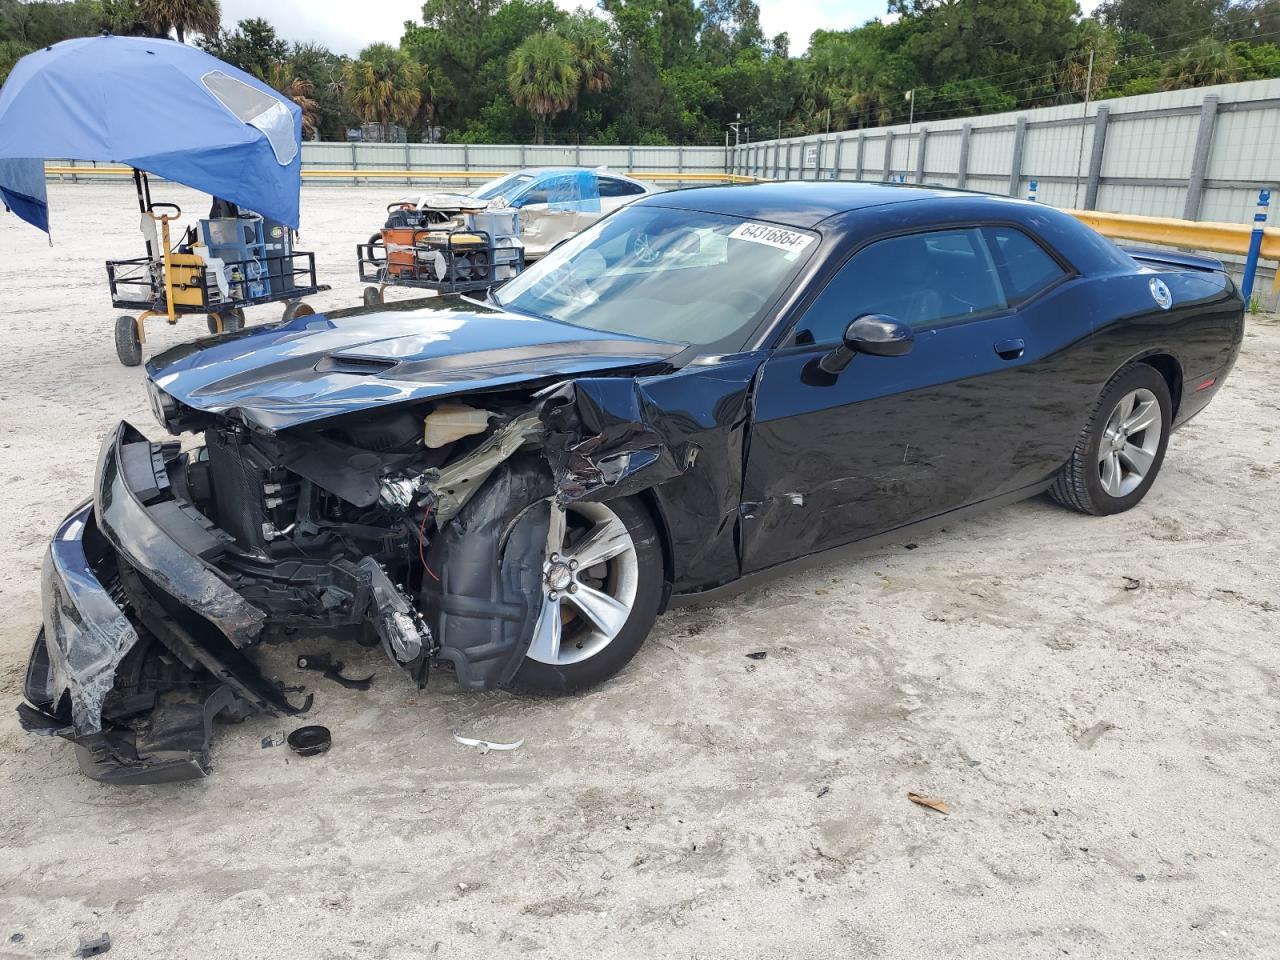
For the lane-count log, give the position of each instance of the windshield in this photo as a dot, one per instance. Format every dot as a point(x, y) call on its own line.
point(649, 271)
point(506, 187)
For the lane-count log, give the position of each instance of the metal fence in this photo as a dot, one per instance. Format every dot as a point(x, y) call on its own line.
point(479, 161)
point(1197, 154)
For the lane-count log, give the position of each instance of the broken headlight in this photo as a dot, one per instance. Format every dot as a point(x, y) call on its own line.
point(163, 406)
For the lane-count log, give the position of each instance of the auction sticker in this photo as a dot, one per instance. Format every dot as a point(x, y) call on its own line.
point(772, 236)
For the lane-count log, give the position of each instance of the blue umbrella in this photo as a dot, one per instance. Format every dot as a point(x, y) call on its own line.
point(156, 105)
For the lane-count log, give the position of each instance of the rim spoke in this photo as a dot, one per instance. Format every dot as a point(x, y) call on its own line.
point(555, 529)
point(605, 541)
point(1111, 474)
point(1127, 405)
point(545, 646)
point(608, 615)
point(1144, 416)
point(1138, 459)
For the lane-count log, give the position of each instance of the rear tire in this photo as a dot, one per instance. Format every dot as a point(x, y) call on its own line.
point(128, 343)
point(1119, 453)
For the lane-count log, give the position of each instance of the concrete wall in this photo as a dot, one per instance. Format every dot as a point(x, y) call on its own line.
point(1198, 154)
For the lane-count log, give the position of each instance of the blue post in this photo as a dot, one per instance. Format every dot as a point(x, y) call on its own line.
point(1035, 185)
point(1255, 244)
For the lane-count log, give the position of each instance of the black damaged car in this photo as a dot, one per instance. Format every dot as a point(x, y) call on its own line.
point(706, 387)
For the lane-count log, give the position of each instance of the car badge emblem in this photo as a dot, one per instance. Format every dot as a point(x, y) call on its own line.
point(1160, 293)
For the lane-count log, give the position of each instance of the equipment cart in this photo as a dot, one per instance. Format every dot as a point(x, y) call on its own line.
point(444, 243)
point(158, 107)
point(218, 269)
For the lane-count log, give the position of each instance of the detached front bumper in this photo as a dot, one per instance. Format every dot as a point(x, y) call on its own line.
point(140, 647)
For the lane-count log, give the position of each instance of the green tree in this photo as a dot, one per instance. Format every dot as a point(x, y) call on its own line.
point(253, 46)
point(323, 69)
point(588, 35)
point(11, 51)
point(284, 78)
point(181, 16)
point(1169, 23)
point(542, 75)
point(384, 85)
point(465, 44)
point(1202, 64)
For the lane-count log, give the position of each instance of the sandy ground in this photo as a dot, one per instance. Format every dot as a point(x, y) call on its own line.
point(1109, 754)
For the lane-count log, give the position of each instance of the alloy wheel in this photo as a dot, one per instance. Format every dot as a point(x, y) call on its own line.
point(589, 579)
point(1129, 442)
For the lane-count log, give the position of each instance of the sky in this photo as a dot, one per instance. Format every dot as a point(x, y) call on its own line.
point(345, 27)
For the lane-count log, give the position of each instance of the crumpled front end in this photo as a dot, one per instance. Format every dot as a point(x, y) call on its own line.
point(132, 666)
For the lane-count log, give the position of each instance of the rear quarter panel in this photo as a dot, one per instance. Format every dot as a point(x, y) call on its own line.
point(1202, 330)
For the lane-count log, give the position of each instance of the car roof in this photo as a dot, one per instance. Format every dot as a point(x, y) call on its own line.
point(541, 171)
point(796, 204)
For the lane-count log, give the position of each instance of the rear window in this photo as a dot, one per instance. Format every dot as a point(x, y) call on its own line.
point(1025, 268)
point(613, 187)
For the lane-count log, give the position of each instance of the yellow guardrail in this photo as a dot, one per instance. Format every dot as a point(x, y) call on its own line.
point(344, 174)
point(1190, 234)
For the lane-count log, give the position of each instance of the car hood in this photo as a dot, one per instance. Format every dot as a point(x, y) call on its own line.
point(280, 375)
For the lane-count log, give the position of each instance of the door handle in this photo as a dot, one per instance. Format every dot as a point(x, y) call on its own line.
point(1010, 349)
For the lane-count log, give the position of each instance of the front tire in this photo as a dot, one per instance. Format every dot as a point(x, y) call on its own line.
point(1122, 447)
point(601, 589)
point(128, 343)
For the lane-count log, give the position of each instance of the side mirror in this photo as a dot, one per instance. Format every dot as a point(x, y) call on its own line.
point(871, 333)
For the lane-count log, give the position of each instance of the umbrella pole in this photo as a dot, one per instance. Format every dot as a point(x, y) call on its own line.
point(144, 199)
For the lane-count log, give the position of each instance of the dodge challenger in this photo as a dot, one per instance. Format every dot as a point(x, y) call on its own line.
point(705, 388)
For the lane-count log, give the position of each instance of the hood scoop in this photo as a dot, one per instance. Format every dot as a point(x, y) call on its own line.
point(336, 363)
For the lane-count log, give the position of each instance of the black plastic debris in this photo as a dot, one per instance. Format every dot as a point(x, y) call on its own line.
point(1132, 583)
point(758, 655)
point(332, 669)
point(310, 740)
point(823, 792)
point(910, 546)
point(94, 947)
point(17, 937)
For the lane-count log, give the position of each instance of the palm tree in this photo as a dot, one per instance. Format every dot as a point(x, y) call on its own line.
point(300, 90)
point(197, 16)
point(384, 86)
point(543, 76)
point(594, 62)
point(1200, 65)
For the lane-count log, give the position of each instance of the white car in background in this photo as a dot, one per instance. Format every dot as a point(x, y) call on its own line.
point(558, 202)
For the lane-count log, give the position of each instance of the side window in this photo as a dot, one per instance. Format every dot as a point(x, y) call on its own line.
point(1025, 269)
point(537, 194)
point(922, 279)
point(613, 187)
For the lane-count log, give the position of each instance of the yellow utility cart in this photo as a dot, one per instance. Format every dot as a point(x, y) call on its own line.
point(217, 268)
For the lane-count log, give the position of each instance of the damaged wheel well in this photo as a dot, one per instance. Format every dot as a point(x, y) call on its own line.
point(649, 499)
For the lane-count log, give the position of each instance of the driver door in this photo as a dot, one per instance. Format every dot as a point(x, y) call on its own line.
point(984, 401)
point(547, 216)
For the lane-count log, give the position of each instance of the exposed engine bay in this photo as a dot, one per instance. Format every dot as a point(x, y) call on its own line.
point(330, 527)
